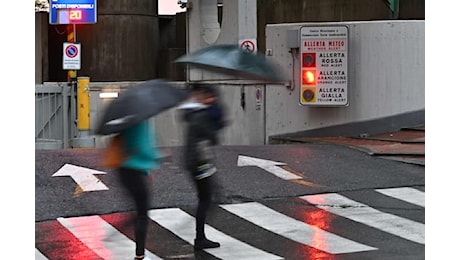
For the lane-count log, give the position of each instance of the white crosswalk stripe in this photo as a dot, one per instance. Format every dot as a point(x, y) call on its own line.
point(294, 229)
point(39, 255)
point(342, 206)
point(108, 242)
point(102, 238)
point(183, 225)
point(408, 194)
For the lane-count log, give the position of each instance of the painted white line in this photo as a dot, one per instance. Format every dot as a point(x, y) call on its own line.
point(102, 238)
point(39, 255)
point(294, 229)
point(407, 194)
point(362, 213)
point(183, 225)
point(269, 166)
point(84, 177)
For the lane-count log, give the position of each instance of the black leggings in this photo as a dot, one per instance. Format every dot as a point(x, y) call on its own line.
point(205, 190)
point(136, 183)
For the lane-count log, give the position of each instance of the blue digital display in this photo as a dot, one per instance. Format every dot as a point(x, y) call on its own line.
point(73, 11)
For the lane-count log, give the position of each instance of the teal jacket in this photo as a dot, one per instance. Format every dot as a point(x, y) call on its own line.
point(139, 143)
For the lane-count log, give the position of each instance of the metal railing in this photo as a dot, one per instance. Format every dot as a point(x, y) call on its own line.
point(56, 117)
point(52, 111)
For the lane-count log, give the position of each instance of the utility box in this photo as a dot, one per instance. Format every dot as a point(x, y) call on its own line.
point(293, 41)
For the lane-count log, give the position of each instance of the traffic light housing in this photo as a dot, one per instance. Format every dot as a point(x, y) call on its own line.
point(308, 78)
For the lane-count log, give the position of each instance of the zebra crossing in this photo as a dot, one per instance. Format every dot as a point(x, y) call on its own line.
point(287, 229)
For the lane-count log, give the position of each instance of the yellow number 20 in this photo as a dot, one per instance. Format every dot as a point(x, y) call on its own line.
point(75, 15)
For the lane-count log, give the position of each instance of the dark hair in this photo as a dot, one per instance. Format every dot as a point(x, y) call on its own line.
point(208, 89)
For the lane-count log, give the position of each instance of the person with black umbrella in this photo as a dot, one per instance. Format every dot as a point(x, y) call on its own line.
point(128, 118)
point(204, 117)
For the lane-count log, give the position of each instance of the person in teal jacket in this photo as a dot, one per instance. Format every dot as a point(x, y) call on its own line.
point(142, 156)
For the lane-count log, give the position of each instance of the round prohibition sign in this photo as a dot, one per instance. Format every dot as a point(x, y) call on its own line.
point(71, 51)
point(248, 46)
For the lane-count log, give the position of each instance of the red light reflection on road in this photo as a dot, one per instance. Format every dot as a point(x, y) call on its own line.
point(320, 220)
point(55, 241)
point(96, 231)
point(92, 231)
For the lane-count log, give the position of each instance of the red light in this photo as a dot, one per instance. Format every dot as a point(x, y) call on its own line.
point(308, 77)
point(309, 60)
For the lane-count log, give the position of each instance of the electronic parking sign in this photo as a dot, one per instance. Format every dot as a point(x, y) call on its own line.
point(324, 66)
point(73, 12)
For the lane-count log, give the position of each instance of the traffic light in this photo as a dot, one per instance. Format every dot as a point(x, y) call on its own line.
point(308, 95)
point(308, 68)
point(308, 78)
point(308, 60)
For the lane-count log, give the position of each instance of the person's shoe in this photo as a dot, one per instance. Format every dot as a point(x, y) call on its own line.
point(205, 243)
point(145, 258)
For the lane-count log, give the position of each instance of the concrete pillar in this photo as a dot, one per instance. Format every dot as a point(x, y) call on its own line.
point(239, 25)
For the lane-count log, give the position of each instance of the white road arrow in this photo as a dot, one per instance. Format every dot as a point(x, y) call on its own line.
point(269, 166)
point(84, 177)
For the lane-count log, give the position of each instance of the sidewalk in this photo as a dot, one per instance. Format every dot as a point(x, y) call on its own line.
point(406, 145)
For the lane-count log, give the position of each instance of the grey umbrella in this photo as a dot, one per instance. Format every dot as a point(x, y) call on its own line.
point(138, 103)
point(232, 60)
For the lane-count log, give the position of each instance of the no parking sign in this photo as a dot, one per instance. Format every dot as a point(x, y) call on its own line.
point(71, 56)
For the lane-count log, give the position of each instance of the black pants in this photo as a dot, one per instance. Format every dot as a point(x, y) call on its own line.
point(205, 188)
point(136, 183)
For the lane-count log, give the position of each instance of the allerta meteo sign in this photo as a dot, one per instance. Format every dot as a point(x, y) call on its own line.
point(73, 12)
point(324, 65)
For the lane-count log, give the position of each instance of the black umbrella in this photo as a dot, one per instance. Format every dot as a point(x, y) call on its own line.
point(232, 60)
point(138, 103)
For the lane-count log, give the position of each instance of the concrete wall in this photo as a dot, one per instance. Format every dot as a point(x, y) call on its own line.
point(168, 127)
point(246, 111)
point(41, 47)
point(122, 45)
point(302, 11)
point(386, 66)
point(386, 77)
point(235, 22)
point(239, 22)
point(172, 46)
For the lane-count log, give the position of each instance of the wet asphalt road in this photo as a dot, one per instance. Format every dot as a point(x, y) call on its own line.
point(322, 168)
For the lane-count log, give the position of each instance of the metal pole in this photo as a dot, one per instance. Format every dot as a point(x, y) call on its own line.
point(72, 79)
point(65, 118)
point(71, 37)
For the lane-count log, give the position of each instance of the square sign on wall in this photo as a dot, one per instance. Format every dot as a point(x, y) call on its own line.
point(324, 65)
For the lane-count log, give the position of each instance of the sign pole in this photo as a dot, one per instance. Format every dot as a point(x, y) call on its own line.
point(71, 37)
point(71, 13)
point(72, 80)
